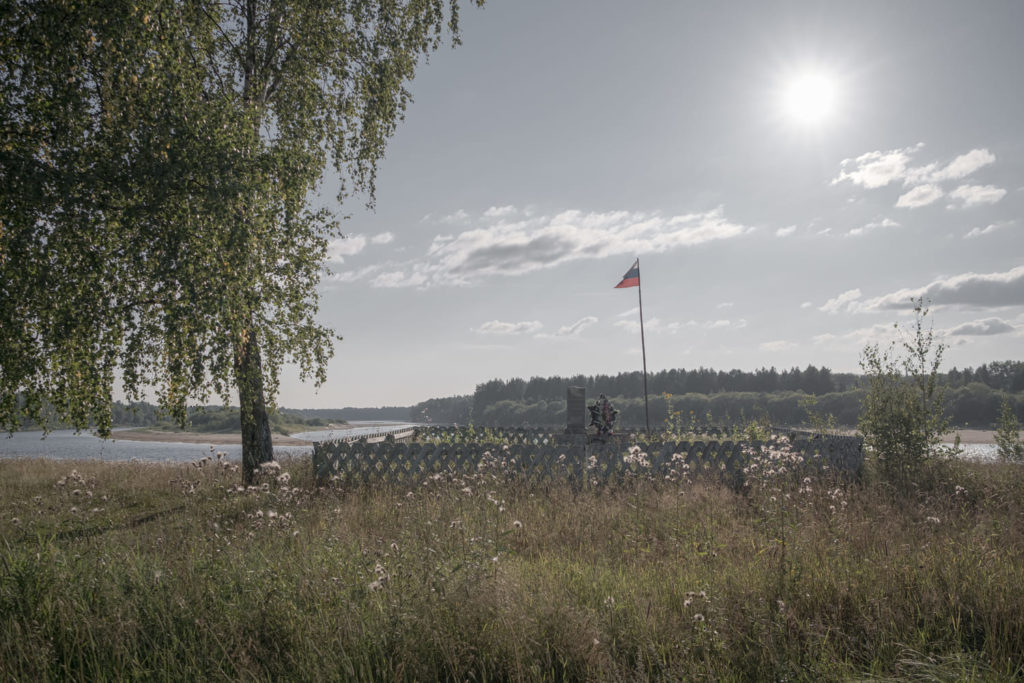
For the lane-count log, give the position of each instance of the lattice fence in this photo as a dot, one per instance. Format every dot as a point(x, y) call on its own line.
point(539, 455)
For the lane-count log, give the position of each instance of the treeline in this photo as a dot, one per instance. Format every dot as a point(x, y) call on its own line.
point(211, 419)
point(709, 397)
point(201, 418)
point(382, 414)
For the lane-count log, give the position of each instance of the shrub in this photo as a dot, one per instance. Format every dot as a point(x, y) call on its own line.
point(902, 416)
point(1008, 438)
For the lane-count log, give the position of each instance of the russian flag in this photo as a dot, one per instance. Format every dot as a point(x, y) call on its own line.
point(632, 277)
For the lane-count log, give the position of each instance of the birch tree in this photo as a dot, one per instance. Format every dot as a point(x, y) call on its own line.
point(157, 161)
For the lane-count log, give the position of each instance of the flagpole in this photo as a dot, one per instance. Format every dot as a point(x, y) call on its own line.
point(643, 346)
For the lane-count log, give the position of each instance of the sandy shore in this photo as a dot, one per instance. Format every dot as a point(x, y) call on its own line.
point(198, 437)
point(972, 436)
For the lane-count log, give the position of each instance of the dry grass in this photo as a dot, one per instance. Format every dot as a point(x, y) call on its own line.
point(173, 572)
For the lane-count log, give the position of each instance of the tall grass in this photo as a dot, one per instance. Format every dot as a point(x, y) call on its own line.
point(171, 572)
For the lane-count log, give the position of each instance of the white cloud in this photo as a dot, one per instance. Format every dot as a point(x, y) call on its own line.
point(630, 313)
point(922, 195)
point(577, 327)
point(845, 300)
point(725, 305)
point(518, 247)
point(354, 275)
point(397, 278)
point(457, 217)
point(774, 346)
point(806, 304)
point(500, 211)
point(986, 327)
point(350, 245)
point(876, 169)
point(499, 327)
point(960, 167)
point(973, 195)
point(857, 339)
point(975, 290)
point(880, 168)
point(658, 326)
point(785, 232)
point(338, 249)
point(874, 225)
point(988, 230)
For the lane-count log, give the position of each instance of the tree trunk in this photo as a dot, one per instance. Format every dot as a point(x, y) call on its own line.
point(256, 445)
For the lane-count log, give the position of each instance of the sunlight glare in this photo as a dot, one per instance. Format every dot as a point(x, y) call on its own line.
point(810, 98)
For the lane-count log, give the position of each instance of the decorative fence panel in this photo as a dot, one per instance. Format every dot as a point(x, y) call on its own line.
point(545, 455)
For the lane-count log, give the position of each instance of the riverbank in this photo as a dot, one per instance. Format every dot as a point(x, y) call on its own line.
point(212, 438)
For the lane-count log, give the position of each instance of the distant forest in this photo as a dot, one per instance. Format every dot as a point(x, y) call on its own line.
point(697, 397)
point(706, 396)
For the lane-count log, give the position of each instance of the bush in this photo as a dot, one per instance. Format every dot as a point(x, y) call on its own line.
point(1008, 434)
point(902, 417)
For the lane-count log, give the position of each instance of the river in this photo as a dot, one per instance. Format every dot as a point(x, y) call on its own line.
point(65, 444)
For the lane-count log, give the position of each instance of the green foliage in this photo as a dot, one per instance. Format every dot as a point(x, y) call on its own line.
point(471, 578)
point(1007, 436)
point(157, 162)
point(902, 417)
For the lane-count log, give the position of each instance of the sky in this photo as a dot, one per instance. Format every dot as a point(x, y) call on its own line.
point(789, 174)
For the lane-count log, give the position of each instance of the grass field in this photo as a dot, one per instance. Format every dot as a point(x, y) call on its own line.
point(173, 572)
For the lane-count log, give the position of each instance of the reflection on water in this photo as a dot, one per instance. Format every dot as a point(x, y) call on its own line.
point(978, 451)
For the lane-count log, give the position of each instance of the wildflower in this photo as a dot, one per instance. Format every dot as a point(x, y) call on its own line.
point(687, 602)
point(76, 492)
point(259, 514)
point(933, 520)
point(960, 491)
point(74, 510)
point(284, 478)
point(468, 491)
point(698, 617)
point(781, 605)
point(394, 547)
point(609, 601)
point(376, 586)
point(15, 521)
point(517, 525)
point(38, 500)
point(271, 514)
point(703, 595)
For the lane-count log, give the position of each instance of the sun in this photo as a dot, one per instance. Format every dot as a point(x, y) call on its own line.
point(810, 97)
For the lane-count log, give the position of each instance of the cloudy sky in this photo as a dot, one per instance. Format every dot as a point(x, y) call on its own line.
point(790, 175)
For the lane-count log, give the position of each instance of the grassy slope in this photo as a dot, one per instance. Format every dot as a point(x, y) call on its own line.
point(172, 572)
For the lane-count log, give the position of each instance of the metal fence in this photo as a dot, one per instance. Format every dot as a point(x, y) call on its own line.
point(541, 454)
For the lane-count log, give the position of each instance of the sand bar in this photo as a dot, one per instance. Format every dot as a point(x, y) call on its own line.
point(214, 439)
